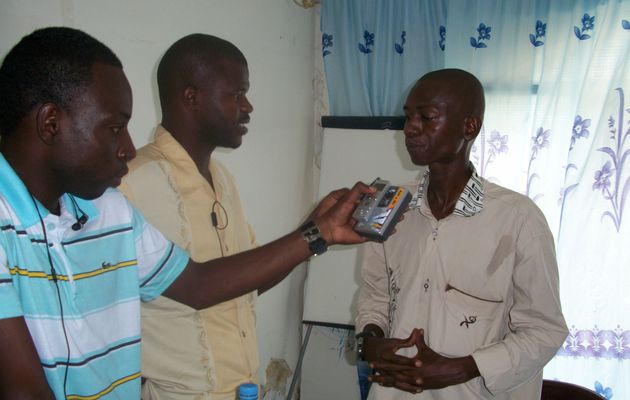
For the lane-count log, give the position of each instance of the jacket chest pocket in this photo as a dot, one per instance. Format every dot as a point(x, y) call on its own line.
point(470, 321)
point(463, 303)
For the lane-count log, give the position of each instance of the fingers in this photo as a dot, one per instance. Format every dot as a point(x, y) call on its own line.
point(398, 380)
point(338, 197)
point(413, 337)
point(388, 348)
point(420, 343)
point(382, 379)
point(408, 387)
point(393, 366)
point(391, 358)
point(358, 190)
point(334, 212)
point(351, 195)
point(338, 194)
point(411, 340)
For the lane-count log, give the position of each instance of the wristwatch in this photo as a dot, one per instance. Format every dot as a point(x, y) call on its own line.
point(359, 338)
point(316, 243)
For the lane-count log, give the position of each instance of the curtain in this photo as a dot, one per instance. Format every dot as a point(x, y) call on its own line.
point(374, 50)
point(557, 121)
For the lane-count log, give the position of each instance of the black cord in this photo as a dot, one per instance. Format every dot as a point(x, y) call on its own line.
point(54, 276)
point(81, 220)
point(215, 222)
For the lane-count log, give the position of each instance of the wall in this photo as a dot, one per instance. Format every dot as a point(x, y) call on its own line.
point(272, 166)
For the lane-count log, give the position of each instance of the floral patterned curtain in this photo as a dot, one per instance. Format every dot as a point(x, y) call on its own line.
point(375, 50)
point(557, 121)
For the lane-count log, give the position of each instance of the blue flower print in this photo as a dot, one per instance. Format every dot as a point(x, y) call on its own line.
point(327, 42)
point(618, 153)
point(484, 31)
point(588, 23)
point(611, 127)
point(541, 140)
point(606, 392)
point(368, 41)
point(625, 24)
point(541, 30)
point(602, 179)
point(498, 143)
point(484, 34)
point(369, 38)
point(485, 151)
point(580, 129)
point(401, 47)
point(442, 37)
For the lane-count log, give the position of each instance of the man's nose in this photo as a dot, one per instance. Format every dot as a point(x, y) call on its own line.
point(411, 129)
point(246, 106)
point(127, 150)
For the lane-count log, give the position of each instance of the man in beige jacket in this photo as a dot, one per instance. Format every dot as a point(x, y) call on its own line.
point(463, 302)
point(193, 200)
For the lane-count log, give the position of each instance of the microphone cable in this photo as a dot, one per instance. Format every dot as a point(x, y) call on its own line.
point(55, 280)
point(215, 222)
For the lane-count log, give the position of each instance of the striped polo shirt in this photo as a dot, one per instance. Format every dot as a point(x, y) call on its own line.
point(101, 273)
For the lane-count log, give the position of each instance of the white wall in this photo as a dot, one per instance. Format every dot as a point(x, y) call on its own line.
point(272, 166)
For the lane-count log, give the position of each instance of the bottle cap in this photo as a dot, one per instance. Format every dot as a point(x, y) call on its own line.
point(248, 391)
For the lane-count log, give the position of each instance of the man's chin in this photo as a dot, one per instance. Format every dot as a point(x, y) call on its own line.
point(421, 162)
point(235, 144)
point(91, 194)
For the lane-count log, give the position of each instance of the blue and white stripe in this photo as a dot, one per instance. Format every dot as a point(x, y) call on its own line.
point(102, 270)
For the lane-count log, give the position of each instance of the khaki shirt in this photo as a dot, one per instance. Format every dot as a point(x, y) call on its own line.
point(482, 282)
point(189, 354)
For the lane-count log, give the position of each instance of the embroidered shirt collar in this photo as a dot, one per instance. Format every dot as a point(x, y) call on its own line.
point(470, 201)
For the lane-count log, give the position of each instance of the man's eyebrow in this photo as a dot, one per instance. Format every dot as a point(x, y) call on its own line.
point(419, 106)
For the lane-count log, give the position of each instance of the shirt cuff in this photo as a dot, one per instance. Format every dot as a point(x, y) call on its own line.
point(361, 324)
point(495, 367)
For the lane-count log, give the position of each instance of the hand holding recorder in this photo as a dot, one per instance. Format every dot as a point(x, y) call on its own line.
point(378, 213)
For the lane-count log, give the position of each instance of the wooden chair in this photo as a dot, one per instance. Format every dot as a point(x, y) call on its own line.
point(556, 390)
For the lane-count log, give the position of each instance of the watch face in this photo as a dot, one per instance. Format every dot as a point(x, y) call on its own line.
point(318, 246)
point(359, 347)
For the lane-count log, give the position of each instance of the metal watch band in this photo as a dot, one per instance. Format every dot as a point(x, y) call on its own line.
point(316, 243)
point(359, 339)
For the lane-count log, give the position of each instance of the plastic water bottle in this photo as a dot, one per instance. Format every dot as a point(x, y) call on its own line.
point(248, 391)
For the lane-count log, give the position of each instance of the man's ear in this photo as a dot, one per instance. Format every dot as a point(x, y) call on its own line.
point(48, 122)
point(472, 126)
point(190, 96)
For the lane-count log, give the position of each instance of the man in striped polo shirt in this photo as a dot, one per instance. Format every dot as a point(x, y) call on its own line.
point(76, 258)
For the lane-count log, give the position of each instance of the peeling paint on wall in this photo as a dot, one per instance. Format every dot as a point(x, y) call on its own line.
point(277, 375)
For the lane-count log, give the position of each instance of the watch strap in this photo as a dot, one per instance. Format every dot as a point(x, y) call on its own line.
point(359, 339)
point(313, 237)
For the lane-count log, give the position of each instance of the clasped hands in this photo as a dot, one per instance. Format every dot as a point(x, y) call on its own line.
point(426, 370)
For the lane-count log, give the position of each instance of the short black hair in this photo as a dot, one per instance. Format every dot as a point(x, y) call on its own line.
point(48, 65)
point(189, 58)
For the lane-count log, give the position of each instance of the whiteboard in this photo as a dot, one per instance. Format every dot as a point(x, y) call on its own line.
point(350, 155)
